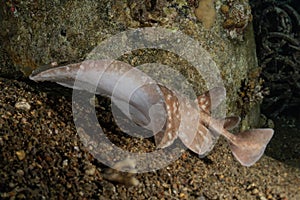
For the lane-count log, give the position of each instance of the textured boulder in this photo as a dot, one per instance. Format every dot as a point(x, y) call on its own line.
point(35, 34)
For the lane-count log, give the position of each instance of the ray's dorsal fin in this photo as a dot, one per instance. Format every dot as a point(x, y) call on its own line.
point(231, 122)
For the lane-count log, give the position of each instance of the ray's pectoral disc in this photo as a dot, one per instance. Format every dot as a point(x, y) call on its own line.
point(166, 138)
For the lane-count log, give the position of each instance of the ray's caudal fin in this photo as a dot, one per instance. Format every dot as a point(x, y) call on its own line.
point(250, 145)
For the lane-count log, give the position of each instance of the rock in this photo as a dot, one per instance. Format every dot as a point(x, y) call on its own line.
point(91, 170)
point(70, 37)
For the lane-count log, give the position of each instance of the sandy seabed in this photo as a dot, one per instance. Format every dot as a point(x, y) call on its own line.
point(42, 157)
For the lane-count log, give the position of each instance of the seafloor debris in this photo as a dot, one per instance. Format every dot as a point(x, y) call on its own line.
point(277, 28)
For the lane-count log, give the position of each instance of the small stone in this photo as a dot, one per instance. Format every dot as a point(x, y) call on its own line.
point(91, 170)
point(262, 198)
point(221, 176)
point(11, 185)
point(20, 172)
point(283, 196)
point(76, 148)
point(38, 102)
point(165, 185)
point(69, 185)
point(133, 181)
point(21, 196)
point(65, 163)
point(21, 154)
point(24, 120)
point(255, 191)
point(23, 105)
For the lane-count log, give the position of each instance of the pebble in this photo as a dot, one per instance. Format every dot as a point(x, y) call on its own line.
point(181, 195)
point(255, 191)
point(38, 102)
point(20, 172)
point(65, 163)
point(269, 196)
point(262, 198)
point(23, 105)
point(21, 154)
point(91, 170)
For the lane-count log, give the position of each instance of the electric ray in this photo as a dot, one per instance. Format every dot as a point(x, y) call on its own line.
point(168, 114)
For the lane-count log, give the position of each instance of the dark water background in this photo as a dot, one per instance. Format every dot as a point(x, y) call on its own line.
point(277, 34)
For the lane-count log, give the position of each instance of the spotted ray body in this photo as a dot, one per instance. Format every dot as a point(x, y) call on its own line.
point(186, 122)
point(169, 135)
point(190, 121)
point(247, 146)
